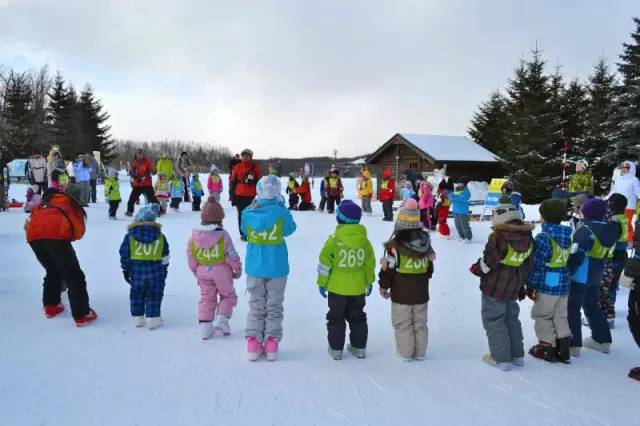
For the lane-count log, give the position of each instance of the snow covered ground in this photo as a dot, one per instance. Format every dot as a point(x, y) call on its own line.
point(110, 373)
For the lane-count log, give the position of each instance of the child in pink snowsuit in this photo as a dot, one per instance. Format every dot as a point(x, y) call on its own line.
point(215, 263)
point(214, 183)
point(426, 204)
point(33, 199)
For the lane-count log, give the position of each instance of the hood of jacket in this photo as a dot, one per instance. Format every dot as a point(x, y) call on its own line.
point(419, 243)
point(561, 234)
point(145, 232)
point(516, 234)
point(263, 213)
point(351, 235)
point(632, 171)
point(607, 233)
point(206, 236)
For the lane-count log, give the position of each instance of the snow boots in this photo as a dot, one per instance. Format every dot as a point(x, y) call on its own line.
point(600, 347)
point(503, 366)
point(138, 321)
point(254, 349)
point(563, 351)
point(51, 311)
point(154, 322)
point(221, 325)
point(544, 351)
point(359, 353)
point(206, 330)
point(634, 373)
point(89, 318)
point(336, 355)
point(271, 348)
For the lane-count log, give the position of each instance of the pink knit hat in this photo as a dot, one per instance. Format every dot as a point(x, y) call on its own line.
point(212, 211)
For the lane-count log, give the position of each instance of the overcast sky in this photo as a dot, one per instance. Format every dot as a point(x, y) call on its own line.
point(302, 77)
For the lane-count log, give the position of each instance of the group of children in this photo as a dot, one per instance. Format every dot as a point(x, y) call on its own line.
point(563, 271)
point(168, 190)
point(299, 193)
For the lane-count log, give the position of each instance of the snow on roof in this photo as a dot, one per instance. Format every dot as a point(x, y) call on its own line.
point(449, 148)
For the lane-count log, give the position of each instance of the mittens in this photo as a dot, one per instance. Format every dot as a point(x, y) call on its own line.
point(323, 292)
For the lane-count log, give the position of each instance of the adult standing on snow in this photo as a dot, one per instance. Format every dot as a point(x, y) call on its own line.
point(184, 166)
point(628, 185)
point(51, 229)
point(582, 180)
point(141, 183)
point(165, 165)
point(242, 183)
point(93, 176)
point(82, 173)
point(36, 171)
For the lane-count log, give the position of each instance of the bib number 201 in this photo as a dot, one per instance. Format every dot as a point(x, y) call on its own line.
point(351, 258)
point(146, 249)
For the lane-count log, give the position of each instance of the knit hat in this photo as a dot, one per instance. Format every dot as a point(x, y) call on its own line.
point(560, 194)
point(505, 213)
point(247, 152)
point(594, 209)
point(212, 211)
point(348, 212)
point(617, 203)
point(579, 200)
point(408, 216)
point(147, 213)
point(214, 168)
point(508, 185)
point(553, 210)
point(387, 173)
point(582, 163)
point(269, 187)
point(75, 192)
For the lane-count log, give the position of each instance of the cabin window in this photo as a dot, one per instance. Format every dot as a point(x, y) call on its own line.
point(414, 165)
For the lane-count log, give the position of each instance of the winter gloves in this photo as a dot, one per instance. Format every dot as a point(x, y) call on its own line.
point(323, 292)
point(369, 289)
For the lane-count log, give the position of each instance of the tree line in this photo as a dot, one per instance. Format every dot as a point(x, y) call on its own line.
point(528, 123)
point(37, 111)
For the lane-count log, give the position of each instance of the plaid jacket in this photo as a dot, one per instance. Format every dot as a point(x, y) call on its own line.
point(538, 277)
point(581, 182)
point(503, 282)
point(139, 270)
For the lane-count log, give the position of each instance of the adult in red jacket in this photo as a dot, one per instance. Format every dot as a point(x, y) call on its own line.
point(304, 190)
point(51, 228)
point(387, 194)
point(242, 183)
point(141, 183)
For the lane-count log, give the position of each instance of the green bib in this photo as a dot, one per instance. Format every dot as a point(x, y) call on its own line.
point(559, 255)
point(350, 259)
point(197, 185)
point(269, 237)
point(598, 251)
point(624, 223)
point(63, 179)
point(148, 252)
point(209, 256)
point(409, 265)
point(516, 258)
point(161, 185)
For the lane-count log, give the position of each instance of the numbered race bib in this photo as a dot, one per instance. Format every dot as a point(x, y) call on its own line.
point(211, 255)
point(146, 251)
point(270, 237)
point(559, 255)
point(410, 265)
point(516, 258)
point(351, 258)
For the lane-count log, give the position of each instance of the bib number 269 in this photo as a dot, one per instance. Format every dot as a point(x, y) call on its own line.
point(351, 258)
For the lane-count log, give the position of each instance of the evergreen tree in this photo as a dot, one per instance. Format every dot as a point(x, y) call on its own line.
point(534, 134)
point(601, 130)
point(573, 116)
point(40, 84)
point(62, 116)
point(17, 116)
point(489, 124)
point(93, 130)
point(628, 144)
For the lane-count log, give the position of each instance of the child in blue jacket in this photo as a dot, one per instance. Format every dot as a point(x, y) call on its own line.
point(176, 191)
point(144, 258)
point(265, 223)
point(460, 208)
point(593, 240)
point(548, 284)
point(617, 259)
point(197, 192)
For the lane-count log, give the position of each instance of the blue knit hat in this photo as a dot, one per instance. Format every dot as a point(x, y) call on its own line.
point(147, 213)
point(349, 213)
point(269, 187)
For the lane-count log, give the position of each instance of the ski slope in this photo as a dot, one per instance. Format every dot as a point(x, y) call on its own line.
point(109, 373)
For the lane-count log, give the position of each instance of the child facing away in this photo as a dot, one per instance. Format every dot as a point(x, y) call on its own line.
point(215, 263)
point(292, 191)
point(548, 284)
point(425, 203)
point(407, 192)
point(161, 191)
point(617, 258)
point(460, 205)
point(112, 193)
point(346, 273)
point(365, 191)
point(503, 269)
point(176, 190)
point(593, 240)
point(266, 222)
point(387, 194)
point(442, 212)
point(144, 258)
point(33, 200)
point(404, 277)
point(196, 192)
point(214, 182)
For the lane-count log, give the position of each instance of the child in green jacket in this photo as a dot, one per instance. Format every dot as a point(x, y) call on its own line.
point(346, 272)
point(112, 193)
